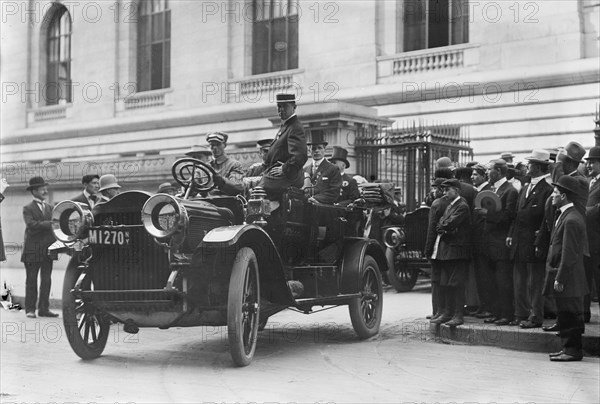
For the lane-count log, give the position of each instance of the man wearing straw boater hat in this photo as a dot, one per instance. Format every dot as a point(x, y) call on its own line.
point(38, 237)
point(349, 192)
point(288, 152)
point(528, 273)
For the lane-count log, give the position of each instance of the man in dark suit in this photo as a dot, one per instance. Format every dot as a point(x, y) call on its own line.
point(484, 274)
point(288, 152)
point(257, 169)
point(438, 207)
point(565, 273)
point(89, 196)
point(452, 249)
point(528, 273)
point(592, 218)
point(349, 192)
point(38, 237)
point(497, 225)
point(325, 177)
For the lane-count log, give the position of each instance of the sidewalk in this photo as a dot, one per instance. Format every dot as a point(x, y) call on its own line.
point(475, 332)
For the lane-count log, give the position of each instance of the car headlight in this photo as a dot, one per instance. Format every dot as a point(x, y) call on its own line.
point(71, 221)
point(393, 237)
point(163, 216)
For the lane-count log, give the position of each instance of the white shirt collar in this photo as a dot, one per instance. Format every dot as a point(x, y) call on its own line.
point(39, 201)
point(317, 163)
point(564, 208)
point(455, 199)
point(534, 181)
point(291, 116)
point(499, 183)
point(481, 186)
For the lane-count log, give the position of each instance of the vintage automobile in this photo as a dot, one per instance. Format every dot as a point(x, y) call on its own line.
point(166, 261)
point(403, 234)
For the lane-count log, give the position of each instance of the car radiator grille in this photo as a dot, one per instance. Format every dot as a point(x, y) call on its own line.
point(140, 264)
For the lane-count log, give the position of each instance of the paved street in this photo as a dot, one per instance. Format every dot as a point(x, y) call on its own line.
point(299, 358)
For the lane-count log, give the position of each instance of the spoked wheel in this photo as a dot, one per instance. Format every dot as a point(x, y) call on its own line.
point(403, 277)
point(243, 308)
point(365, 311)
point(87, 329)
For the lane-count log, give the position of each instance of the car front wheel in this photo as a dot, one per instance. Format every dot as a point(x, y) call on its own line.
point(87, 329)
point(243, 307)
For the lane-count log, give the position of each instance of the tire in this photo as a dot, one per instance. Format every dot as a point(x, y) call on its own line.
point(86, 329)
point(365, 311)
point(403, 277)
point(243, 308)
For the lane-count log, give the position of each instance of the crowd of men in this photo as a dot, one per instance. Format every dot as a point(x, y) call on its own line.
point(530, 239)
point(533, 246)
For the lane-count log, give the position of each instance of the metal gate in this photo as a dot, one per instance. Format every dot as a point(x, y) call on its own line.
point(406, 155)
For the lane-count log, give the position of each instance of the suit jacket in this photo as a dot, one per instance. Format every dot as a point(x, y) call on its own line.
point(327, 182)
point(592, 219)
point(477, 227)
point(455, 241)
point(349, 192)
point(438, 207)
point(497, 224)
point(565, 256)
point(38, 232)
point(468, 192)
point(530, 214)
point(81, 198)
point(289, 148)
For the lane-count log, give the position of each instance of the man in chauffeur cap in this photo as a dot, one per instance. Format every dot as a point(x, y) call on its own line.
point(229, 171)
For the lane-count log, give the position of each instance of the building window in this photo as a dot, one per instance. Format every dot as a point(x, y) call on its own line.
point(154, 45)
point(434, 23)
point(58, 58)
point(274, 35)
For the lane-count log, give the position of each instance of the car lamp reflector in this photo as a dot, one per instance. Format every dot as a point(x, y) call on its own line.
point(163, 216)
point(71, 221)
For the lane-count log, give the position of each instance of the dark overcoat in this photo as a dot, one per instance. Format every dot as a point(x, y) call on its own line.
point(327, 182)
point(454, 225)
point(592, 218)
point(497, 224)
point(38, 232)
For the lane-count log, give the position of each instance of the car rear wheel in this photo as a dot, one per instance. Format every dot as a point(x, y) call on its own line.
point(87, 329)
point(243, 308)
point(403, 277)
point(365, 311)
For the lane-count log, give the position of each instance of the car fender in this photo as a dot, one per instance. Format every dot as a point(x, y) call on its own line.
point(273, 285)
point(353, 259)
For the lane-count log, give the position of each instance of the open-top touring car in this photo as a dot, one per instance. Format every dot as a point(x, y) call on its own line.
point(163, 261)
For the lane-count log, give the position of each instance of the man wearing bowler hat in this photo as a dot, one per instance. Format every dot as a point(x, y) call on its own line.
point(528, 272)
point(89, 196)
point(325, 177)
point(592, 218)
point(565, 273)
point(288, 152)
point(230, 172)
point(349, 192)
point(38, 237)
point(257, 169)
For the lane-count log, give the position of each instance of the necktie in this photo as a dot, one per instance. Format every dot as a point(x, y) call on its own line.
point(592, 182)
point(93, 199)
point(314, 172)
point(41, 206)
point(556, 216)
point(529, 186)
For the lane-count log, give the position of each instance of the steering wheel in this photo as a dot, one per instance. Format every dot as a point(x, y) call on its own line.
point(188, 171)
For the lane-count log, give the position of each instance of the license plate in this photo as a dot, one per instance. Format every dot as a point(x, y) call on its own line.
point(109, 237)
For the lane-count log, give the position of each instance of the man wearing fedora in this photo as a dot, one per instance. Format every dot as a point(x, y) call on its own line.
point(288, 152)
point(528, 273)
point(257, 169)
point(568, 160)
point(325, 177)
point(230, 172)
point(89, 196)
point(565, 273)
point(38, 237)
point(109, 188)
point(349, 192)
point(592, 218)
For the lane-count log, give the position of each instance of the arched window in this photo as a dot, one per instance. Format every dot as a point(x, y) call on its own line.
point(274, 35)
point(58, 58)
point(154, 45)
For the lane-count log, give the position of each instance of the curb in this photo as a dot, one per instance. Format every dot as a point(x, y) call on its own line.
point(531, 340)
